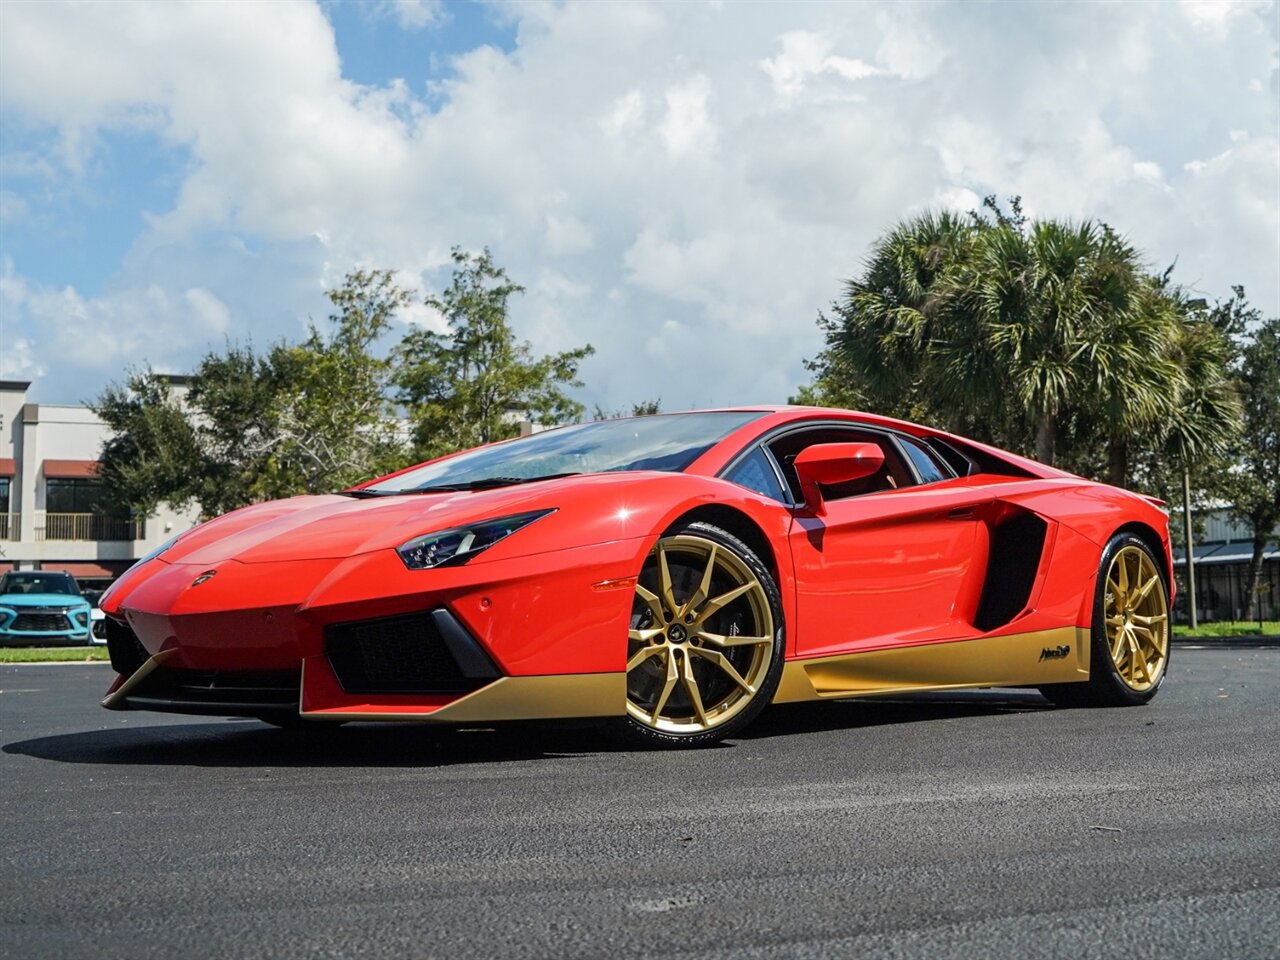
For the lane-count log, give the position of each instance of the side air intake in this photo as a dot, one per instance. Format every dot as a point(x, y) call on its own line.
point(1017, 543)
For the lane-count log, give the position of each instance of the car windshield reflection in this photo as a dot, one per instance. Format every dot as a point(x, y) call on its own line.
point(666, 442)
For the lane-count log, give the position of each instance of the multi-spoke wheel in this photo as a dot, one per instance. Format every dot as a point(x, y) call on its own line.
point(1130, 642)
point(704, 650)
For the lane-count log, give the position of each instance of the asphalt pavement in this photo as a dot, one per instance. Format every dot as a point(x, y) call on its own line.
point(966, 825)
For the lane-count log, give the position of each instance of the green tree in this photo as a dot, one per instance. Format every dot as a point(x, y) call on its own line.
point(1041, 335)
point(1255, 483)
point(234, 405)
point(645, 408)
point(151, 454)
point(335, 422)
point(1068, 322)
point(470, 385)
point(300, 418)
point(894, 332)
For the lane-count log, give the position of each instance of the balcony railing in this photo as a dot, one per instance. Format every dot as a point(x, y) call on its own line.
point(87, 526)
point(8, 526)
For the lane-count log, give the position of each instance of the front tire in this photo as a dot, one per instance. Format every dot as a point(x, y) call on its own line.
point(705, 647)
point(1129, 648)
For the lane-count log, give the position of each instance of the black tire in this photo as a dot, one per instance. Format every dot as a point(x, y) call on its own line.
point(763, 657)
point(1106, 686)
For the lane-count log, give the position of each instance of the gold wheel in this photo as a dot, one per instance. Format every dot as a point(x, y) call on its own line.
point(1137, 619)
point(701, 639)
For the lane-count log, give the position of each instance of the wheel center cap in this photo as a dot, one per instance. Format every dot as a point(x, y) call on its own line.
point(676, 634)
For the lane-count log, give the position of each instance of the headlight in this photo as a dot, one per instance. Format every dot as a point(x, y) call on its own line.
point(460, 544)
point(158, 550)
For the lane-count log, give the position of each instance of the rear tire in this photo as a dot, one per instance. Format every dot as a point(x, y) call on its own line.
point(1129, 640)
point(705, 648)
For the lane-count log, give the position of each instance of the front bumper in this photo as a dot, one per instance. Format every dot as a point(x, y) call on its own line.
point(509, 639)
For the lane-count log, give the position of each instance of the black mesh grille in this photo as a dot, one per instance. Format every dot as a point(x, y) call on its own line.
point(406, 654)
point(41, 622)
point(126, 650)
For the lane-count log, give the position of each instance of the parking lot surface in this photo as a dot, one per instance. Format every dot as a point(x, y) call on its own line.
point(970, 824)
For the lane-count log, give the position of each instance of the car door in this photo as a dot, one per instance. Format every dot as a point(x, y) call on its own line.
point(895, 559)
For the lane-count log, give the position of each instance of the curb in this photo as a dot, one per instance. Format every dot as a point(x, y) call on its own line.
point(1249, 642)
point(56, 663)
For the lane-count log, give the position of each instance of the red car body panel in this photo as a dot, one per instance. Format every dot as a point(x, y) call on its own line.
point(256, 589)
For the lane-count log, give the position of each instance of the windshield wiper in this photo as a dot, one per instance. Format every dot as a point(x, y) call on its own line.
point(485, 483)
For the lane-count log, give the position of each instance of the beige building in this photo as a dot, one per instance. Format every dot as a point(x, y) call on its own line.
point(49, 491)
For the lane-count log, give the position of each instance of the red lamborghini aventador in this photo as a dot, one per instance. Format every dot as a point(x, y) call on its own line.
point(677, 572)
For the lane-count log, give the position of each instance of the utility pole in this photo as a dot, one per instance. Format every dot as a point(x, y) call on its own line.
point(1191, 561)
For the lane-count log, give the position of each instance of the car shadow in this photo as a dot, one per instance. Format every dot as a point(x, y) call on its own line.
point(800, 718)
point(250, 743)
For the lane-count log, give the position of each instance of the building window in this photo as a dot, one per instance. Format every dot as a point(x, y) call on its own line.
point(4, 494)
point(72, 495)
point(74, 511)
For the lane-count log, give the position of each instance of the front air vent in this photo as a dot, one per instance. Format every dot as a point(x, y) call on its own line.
point(126, 650)
point(429, 652)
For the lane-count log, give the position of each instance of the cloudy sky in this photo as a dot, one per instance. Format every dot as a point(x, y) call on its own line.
point(682, 185)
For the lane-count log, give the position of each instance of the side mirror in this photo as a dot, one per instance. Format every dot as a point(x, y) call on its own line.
point(834, 463)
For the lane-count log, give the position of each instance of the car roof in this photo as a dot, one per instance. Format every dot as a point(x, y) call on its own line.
point(782, 415)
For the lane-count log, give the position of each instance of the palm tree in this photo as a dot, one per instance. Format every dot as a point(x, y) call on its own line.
point(886, 330)
point(1068, 321)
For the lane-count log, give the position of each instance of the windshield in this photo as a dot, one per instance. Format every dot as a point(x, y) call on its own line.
point(38, 583)
point(668, 442)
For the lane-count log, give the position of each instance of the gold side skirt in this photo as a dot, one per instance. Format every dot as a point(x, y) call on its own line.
point(1017, 660)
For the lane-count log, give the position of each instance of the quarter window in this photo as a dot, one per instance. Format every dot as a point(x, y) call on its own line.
point(755, 472)
point(929, 469)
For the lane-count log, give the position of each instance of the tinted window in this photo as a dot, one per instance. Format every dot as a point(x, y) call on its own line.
point(37, 582)
point(668, 442)
point(893, 475)
point(755, 472)
point(72, 495)
point(929, 469)
point(961, 465)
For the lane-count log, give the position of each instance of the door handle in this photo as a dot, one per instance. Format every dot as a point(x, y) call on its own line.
point(961, 513)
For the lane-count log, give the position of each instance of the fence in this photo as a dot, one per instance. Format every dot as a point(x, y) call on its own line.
point(87, 526)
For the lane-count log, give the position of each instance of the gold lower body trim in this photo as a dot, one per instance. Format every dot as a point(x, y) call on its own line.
point(512, 698)
point(1016, 660)
point(115, 699)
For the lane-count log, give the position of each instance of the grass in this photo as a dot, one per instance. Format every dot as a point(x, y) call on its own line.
point(1229, 628)
point(48, 654)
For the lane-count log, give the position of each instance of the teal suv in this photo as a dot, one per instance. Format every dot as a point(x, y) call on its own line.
point(40, 608)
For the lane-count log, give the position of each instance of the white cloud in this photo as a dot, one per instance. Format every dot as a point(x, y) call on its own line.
point(668, 181)
point(687, 128)
point(806, 55)
point(208, 312)
point(413, 14)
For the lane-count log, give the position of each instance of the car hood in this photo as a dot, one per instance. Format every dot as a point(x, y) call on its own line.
point(14, 600)
point(334, 526)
